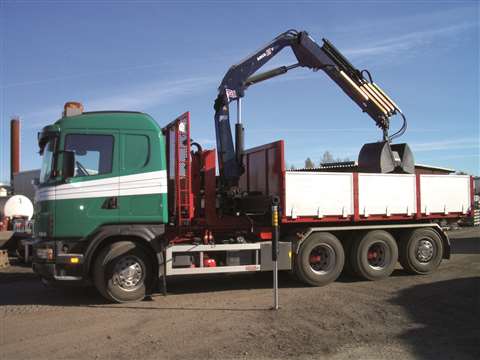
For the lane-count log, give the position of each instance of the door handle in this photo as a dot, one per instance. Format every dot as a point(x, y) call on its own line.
point(110, 203)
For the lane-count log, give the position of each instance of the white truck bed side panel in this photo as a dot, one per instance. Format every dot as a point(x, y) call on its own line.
point(318, 194)
point(385, 194)
point(444, 193)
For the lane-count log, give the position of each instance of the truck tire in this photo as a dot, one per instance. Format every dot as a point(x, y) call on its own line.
point(123, 272)
point(320, 259)
point(374, 257)
point(421, 251)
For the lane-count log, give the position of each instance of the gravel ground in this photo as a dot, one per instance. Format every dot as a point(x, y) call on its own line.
point(435, 316)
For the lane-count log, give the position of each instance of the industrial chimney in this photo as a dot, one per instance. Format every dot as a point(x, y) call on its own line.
point(14, 147)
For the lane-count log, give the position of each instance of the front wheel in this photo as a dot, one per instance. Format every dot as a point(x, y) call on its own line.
point(123, 272)
point(320, 259)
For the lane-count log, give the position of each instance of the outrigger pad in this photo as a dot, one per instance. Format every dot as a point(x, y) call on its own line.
point(381, 157)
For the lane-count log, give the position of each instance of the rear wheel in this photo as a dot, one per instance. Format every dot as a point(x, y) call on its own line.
point(123, 271)
point(421, 251)
point(320, 259)
point(374, 256)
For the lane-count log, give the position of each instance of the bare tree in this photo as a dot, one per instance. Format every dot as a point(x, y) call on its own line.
point(327, 158)
point(309, 164)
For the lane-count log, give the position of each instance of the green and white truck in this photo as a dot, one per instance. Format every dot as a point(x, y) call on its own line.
point(122, 203)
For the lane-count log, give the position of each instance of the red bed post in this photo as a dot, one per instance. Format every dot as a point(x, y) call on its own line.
point(417, 196)
point(356, 205)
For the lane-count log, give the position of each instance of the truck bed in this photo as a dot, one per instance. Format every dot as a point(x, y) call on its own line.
point(364, 196)
point(351, 196)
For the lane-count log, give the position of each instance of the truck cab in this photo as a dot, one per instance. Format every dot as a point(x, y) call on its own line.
point(116, 180)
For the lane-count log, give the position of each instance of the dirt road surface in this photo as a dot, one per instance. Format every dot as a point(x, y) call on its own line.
point(422, 317)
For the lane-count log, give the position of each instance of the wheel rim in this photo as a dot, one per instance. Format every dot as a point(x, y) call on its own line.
point(322, 259)
point(378, 255)
point(425, 250)
point(128, 273)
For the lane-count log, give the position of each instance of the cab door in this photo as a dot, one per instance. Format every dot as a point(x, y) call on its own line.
point(142, 178)
point(90, 198)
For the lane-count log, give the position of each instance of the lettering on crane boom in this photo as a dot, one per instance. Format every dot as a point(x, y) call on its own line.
point(266, 53)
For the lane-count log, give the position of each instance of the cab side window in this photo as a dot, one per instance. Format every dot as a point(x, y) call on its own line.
point(93, 153)
point(136, 152)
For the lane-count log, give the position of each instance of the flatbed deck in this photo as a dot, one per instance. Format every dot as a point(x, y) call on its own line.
point(317, 197)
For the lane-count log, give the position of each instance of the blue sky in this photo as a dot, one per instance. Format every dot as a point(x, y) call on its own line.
point(165, 58)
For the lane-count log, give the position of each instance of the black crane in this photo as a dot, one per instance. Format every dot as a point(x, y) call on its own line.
point(374, 157)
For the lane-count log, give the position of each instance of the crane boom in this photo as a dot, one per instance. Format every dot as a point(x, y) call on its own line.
point(364, 92)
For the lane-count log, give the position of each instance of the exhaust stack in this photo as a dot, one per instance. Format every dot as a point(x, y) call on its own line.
point(14, 147)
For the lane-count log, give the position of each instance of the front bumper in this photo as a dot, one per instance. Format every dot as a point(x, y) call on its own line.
point(57, 273)
point(52, 265)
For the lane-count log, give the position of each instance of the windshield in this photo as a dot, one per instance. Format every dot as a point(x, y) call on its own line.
point(47, 162)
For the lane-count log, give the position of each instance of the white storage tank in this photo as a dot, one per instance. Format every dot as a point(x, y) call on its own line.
point(16, 206)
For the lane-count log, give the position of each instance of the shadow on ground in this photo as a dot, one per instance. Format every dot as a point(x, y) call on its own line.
point(35, 293)
point(16, 271)
point(27, 289)
point(467, 245)
point(20, 286)
point(445, 318)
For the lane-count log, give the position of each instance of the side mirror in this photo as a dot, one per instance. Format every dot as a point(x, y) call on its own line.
point(68, 169)
point(35, 181)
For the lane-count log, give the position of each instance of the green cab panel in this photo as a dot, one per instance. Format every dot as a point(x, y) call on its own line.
point(143, 178)
point(119, 177)
point(83, 201)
